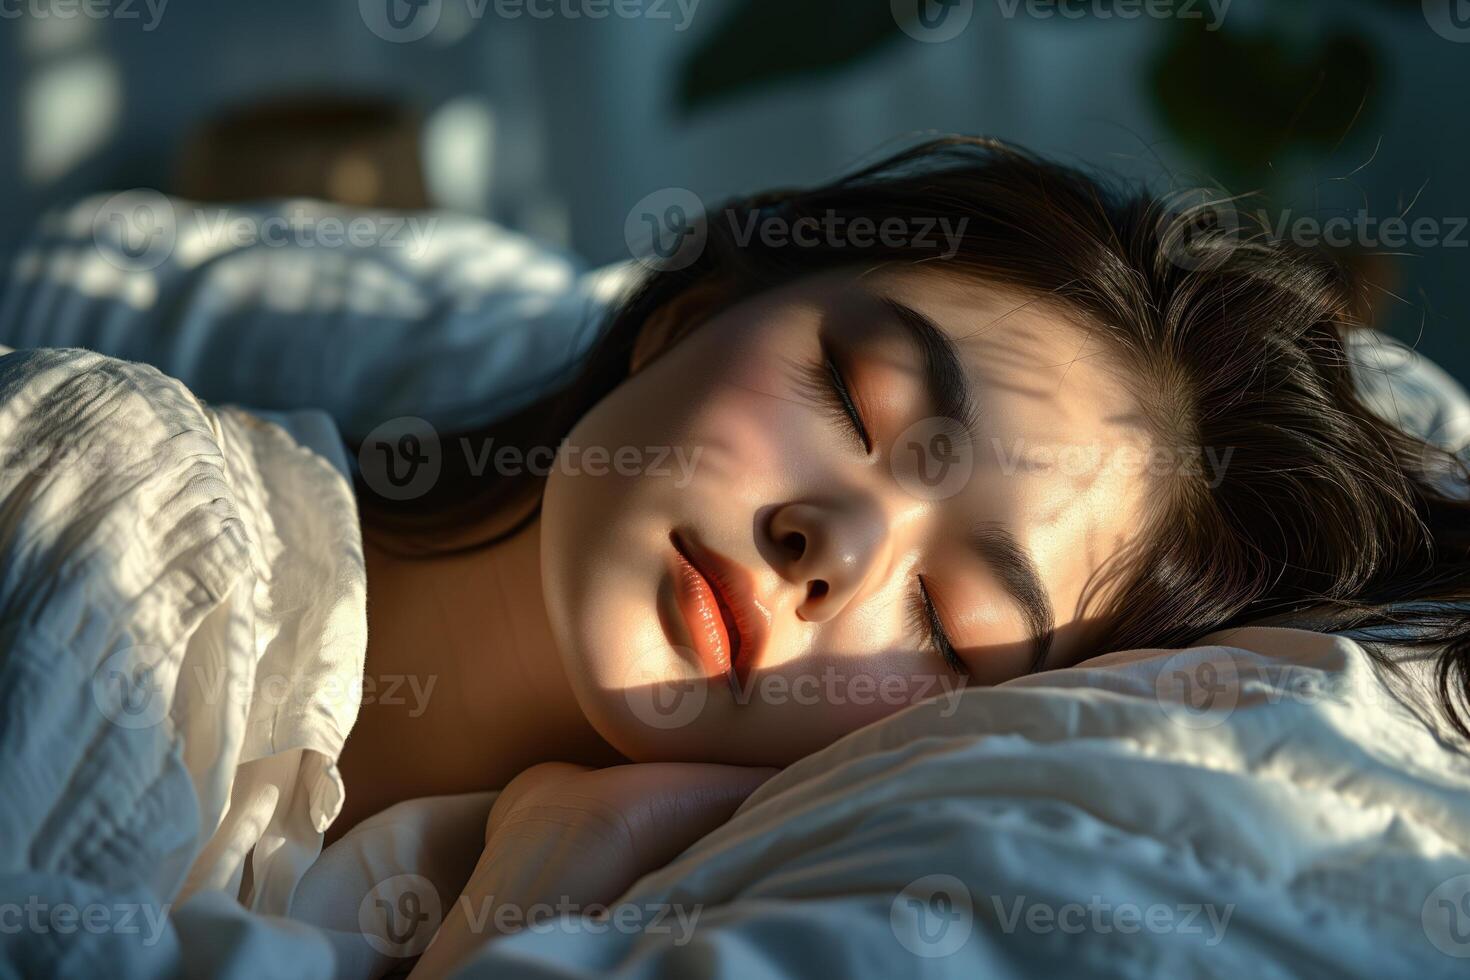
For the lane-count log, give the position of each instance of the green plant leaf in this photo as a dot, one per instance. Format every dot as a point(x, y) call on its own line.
point(1244, 101)
point(764, 42)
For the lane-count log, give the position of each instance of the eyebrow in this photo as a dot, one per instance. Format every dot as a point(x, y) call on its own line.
point(1011, 563)
point(948, 389)
point(944, 378)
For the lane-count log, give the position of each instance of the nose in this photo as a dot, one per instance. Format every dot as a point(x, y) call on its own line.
point(828, 550)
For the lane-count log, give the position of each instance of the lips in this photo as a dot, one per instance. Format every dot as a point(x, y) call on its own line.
point(717, 599)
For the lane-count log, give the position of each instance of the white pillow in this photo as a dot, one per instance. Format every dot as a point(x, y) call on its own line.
point(367, 315)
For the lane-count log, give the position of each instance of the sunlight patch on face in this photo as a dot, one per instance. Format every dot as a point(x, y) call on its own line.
point(1063, 459)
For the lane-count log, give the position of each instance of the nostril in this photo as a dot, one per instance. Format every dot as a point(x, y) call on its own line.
point(816, 590)
point(795, 544)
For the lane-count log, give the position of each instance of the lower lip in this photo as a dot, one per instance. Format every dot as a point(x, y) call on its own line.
point(696, 600)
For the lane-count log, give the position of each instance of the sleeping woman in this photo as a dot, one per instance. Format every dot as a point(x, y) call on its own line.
point(824, 463)
point(1096, 426)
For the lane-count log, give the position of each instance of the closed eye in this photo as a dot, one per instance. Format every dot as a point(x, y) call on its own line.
point(825, 380)
point(925, 622)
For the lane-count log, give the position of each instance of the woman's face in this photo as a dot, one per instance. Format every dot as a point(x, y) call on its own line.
point(828, 502)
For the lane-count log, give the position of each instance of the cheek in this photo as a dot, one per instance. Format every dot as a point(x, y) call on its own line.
point(731, 397)
point(758, 445)
point(721, 380)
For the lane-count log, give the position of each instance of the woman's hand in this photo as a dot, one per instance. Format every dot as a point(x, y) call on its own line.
point(566, 837)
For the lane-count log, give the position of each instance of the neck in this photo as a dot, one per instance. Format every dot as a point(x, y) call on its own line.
point(463, 686)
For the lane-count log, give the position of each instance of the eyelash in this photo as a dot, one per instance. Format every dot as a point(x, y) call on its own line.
point(924, 621)
point(824, 379)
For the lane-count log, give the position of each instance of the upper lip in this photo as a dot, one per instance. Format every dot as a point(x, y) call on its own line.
point(747, 620)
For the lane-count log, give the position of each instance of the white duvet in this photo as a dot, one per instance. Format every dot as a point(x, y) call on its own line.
point(1259, 806)
point(182, 623)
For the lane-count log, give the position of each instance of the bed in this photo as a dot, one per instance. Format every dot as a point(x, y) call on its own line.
point(1261, 802)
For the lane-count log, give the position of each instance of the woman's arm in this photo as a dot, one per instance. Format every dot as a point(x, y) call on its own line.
point(567, 838)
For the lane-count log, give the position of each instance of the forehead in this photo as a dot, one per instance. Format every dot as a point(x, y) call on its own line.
point(1052, 369)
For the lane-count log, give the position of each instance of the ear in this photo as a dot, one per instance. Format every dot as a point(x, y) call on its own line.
point(666, 325)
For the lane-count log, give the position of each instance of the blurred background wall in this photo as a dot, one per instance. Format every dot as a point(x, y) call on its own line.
point(556, 116)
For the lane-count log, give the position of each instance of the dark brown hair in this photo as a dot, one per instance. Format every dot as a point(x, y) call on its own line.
point(1326, 514)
